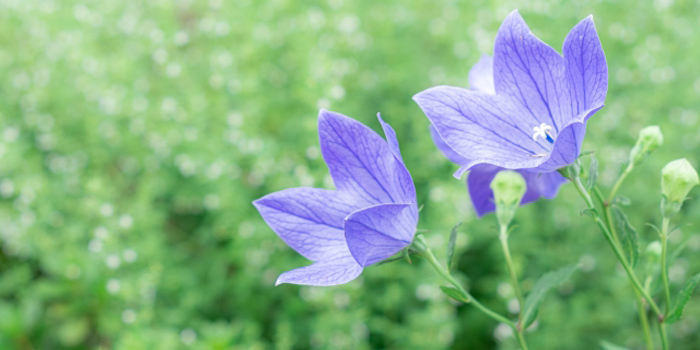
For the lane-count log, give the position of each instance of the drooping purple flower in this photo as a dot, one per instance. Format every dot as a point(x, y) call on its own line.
point(526, 110)
point(370, 216)
point(535, 117)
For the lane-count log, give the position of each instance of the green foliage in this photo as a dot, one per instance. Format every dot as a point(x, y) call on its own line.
point(627, 235)
point(540, 289)
point(454, 294)
point(592, 173)
point(682, 299)
point(134, 136)
point(451, 246)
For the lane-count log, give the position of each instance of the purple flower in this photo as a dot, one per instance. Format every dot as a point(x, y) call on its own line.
point(526, 110)
point(371, 215)
point(480, 176)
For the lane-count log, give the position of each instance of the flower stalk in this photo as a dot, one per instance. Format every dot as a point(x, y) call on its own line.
point(445, 273)
point(616, 249)
point(664, 263)
point(519, 329)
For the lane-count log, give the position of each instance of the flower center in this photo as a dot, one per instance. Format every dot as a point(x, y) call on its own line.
point(543, 131)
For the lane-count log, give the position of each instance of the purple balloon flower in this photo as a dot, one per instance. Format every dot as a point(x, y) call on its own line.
point(371, 215)
point(526, 110)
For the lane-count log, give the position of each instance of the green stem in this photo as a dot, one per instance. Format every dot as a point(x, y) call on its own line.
point(606, 203)
point(616, 249)
point(503, 237)
point(447, 276)
point(644, 321)
point(664, 337)
point(619, 182)
point(521, 340)
point(664, 267)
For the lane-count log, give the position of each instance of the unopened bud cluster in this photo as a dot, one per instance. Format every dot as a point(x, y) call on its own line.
point(508, 190)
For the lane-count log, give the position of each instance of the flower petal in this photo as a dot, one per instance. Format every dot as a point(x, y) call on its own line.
point(376, 233)
point(480, 79)
point(310, 220)
point(567, 146)
point(481, 127)
point(445, 149)
point(361, 162)
point(586, 67)
point(541, 185)
point(481, 75)
point(534, 85)
point(390, 138)
point(324, 273)
point(538, 185)
point(531, 74)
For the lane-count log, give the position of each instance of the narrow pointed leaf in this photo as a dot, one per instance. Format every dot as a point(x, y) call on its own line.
point(682, 299)
point(628, 236)
point(592, 173)
point(654, 227)
point(591, 213)
point(622, 200)
point(451, 245)
point(540, 289)
point(454, 294)
point(402, 255)
point(585, 153)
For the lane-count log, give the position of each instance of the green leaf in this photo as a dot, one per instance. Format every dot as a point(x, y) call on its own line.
point(404, 255)
point(627, 234)
point(682, 299)
point(622, 200)
point(591, 213)
point(540, 289)
point(606, 345)
point(451, 246)
point(592, 173)
point(654, 227)
point(454, 294)
point(585, 153)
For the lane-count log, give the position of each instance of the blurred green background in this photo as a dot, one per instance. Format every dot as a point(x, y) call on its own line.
point(134, 136)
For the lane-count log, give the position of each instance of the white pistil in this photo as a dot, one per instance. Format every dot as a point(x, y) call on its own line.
point(542, 131)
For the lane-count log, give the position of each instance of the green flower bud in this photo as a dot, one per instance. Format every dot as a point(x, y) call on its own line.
point(650, 138)
point(677, 179)
point(508, 189)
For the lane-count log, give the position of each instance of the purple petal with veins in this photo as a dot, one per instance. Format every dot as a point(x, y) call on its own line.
point(371, 215)
point(534, 85)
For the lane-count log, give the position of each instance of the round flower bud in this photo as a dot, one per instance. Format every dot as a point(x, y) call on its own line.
point(508, 189)
point(650, 138)
point(677, 179)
